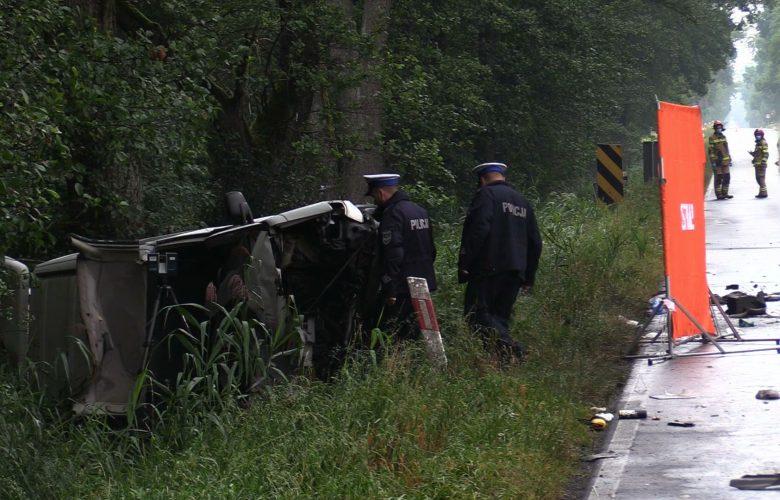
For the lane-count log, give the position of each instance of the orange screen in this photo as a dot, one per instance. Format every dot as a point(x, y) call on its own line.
point(681, 148)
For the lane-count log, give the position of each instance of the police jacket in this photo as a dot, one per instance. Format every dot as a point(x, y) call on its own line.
point(406, 244)
point(500, 234)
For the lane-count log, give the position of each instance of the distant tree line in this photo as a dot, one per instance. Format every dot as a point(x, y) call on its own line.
point(128, 117)
point(762, 80)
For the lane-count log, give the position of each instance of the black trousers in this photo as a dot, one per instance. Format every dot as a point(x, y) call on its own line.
point(488, 310)
point(401, 319)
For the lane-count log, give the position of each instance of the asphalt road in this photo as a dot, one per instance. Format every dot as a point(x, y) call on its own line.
point(733, 432)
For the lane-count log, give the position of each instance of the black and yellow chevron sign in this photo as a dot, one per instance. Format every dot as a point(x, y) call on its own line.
point(609, 173)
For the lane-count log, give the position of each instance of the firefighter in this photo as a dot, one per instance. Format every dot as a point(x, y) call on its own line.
point(499, 254)
point(760, 157)
point(406, 249)
point(720, 160)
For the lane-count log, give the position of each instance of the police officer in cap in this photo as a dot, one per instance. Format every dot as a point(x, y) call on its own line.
point(499, 255)
point(405, 249)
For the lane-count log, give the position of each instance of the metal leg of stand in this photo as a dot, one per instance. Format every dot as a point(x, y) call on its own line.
point(150, 330)
point(725, 316)
point(698, 325)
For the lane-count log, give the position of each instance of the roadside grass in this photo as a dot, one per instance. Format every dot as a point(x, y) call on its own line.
point(398, 427)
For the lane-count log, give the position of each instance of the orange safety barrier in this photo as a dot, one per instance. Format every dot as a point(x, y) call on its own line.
point(681, 148)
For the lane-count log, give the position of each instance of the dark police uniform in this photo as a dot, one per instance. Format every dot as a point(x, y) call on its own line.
point(499, 253)
point(406, 243)
point(406, 249)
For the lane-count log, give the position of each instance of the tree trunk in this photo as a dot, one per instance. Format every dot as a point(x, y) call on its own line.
point(104, 12)
point(362, 105)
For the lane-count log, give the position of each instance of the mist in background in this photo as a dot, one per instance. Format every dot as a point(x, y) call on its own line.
point(738, 115)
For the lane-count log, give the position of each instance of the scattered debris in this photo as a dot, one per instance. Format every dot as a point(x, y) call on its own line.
point(655, 305)
point(732, 287)
point(598, 424)
point(606, 416)
point(678, 423)
point(669, 395)
point(756, 481)
point(598, 409)
point(744, 323)
point(599, 456)
point(632, 414)
point(768, 394)
point(740, 304)
point(629, 322)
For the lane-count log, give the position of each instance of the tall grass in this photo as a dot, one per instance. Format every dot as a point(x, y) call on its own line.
point(395, 428)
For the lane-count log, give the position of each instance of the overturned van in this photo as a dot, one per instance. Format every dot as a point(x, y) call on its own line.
point(95, 316)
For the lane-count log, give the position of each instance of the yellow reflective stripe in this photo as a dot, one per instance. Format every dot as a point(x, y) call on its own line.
point(613, 168)
point(607, 188)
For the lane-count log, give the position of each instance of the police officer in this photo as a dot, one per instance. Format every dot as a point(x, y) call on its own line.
point(499, 255)
point(720, 160)
point(405, 249)
point(760, 157)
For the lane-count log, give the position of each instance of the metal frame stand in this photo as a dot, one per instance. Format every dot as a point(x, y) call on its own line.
point(703, 337)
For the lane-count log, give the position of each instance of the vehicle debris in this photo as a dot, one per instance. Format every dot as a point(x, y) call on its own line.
point(768, 394)
point(756, 481)
point(678, 423)
point(632, 414)
point(669, 395)
point(599, 456)
point(740, 304)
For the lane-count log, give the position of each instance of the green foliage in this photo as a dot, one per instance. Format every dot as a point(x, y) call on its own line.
point(97, 137)
point(223, 365)
point(274, 70)
point(537, 84)
point(137, 126)
point(761, 80)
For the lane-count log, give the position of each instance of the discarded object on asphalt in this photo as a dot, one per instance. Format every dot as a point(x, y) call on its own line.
point(669, 395)
point(740, 303)
point(656, 305)
point(678, 423)
point(598, 424)
point(599, 456)
point(756, 482)
point(744, 323)
point(732, 287)
point(632, 414)
point(768, 394)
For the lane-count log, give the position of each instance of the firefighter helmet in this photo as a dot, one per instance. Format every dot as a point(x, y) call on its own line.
point(758, 132)
point(716, 124)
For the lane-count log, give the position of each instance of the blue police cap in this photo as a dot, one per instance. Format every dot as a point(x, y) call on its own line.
point(484, 168)
point(380, 180)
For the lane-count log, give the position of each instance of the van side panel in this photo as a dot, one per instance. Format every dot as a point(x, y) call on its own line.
point(58, 341)
point(14, 308)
